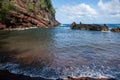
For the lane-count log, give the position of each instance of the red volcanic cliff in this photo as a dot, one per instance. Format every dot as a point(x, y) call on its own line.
point(27, 13)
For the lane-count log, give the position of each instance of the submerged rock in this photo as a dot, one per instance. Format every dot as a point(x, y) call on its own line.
point(115, 29)
point(92, 27)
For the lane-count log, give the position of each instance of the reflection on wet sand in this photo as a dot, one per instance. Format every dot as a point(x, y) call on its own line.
point(36, 57)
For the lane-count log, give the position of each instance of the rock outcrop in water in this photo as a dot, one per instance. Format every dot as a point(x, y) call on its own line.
point(92, 27)
point(115, 29)
point(27, 13)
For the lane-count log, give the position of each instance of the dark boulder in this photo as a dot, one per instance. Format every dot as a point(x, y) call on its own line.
point(105, 27)
point(115, 29)
point(73, 25)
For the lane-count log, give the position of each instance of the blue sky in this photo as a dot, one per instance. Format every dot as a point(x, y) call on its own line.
point(87, 11)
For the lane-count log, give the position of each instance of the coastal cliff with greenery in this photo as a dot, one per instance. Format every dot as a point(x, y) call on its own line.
point(27, 13)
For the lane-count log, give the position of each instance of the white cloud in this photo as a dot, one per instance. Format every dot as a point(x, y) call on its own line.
point(109, 11)
point(110, 8)
point(77, 12)
point(103, 12)
point(81, 9)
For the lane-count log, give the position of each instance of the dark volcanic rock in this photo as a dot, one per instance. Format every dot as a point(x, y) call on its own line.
point(73, 25)
point(92, 27)
point(105, 27)
point(115, 29)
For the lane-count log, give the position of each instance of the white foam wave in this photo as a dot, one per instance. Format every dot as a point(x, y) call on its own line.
point(57, 72)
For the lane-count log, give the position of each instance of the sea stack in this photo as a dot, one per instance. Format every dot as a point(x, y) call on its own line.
point(27, 13)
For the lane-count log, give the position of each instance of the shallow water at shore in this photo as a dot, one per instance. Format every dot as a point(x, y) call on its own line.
point(60, 52)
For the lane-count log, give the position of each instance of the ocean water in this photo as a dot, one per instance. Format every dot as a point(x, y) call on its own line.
point(60, 52)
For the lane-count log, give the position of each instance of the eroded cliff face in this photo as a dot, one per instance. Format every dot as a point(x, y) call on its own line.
point(27, 13)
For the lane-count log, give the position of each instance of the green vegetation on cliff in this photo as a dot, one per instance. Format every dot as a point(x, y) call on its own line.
point(47, 5)
point(5, 7)
point(36, 5)
point(33, 6)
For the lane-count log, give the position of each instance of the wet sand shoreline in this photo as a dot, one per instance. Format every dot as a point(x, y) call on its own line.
point(11, 29)
point(6, 75)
